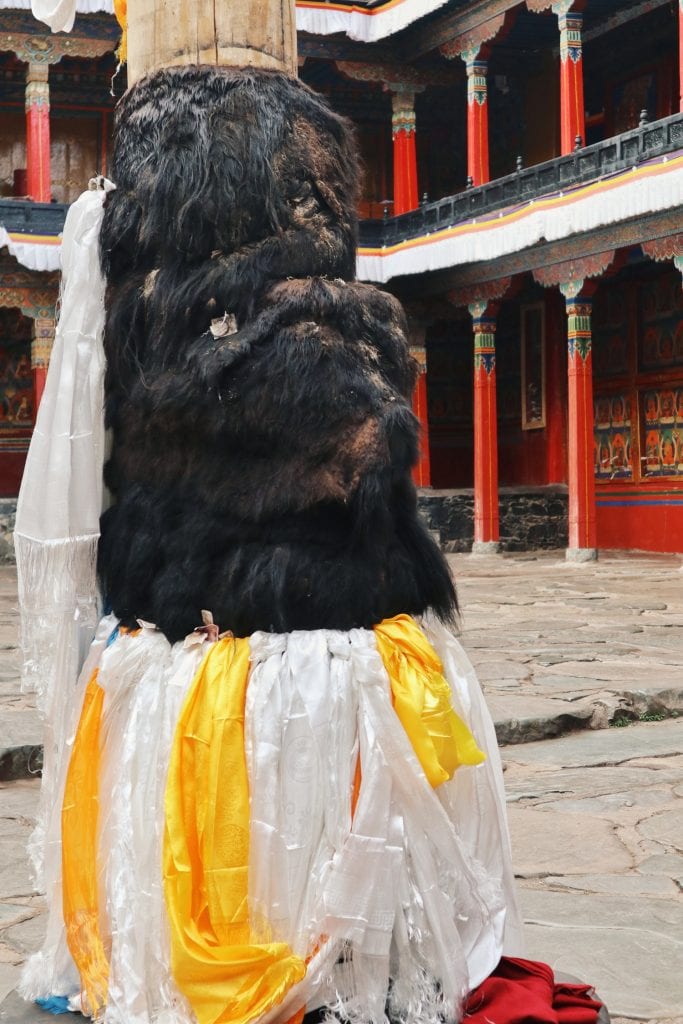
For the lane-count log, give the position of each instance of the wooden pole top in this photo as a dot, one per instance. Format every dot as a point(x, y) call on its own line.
point(237, 33)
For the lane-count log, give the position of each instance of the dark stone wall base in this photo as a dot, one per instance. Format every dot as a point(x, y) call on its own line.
point(530, 517)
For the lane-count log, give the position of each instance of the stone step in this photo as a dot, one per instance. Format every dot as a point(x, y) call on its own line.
point(518, 718)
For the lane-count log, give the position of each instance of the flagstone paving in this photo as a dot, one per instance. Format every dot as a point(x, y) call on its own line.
point(596, 813)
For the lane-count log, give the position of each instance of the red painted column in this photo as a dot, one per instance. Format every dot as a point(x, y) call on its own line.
point(405, 159)
point(38, 133)
point(422, 474)
point(582, 519)
point(556, 382)
point(486, 518)
point(477, 119)
point(572, 111)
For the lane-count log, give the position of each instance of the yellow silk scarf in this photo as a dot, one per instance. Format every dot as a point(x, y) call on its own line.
point(422, 700)
point(225, 976)
point(80, 811)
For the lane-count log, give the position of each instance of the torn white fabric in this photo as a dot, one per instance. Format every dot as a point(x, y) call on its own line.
point(58, 510)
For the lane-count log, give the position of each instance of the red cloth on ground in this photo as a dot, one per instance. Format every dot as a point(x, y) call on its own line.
point(525, 992)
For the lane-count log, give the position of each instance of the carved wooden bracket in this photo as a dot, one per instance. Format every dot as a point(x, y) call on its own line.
point(557, 6)
point(669, 248)
point(478, 294)
point(469, 44)
point(395, 76)
point(571, 275)
point(49, 49)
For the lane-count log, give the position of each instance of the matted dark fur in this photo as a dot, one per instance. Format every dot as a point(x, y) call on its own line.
point(266, 474)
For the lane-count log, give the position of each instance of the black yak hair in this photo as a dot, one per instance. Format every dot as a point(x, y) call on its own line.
point(258, 397)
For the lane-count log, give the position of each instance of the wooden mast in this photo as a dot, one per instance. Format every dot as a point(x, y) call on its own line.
point(165, 33)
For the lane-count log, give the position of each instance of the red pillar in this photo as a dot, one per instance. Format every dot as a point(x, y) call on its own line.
point(405, 160)
point(572, 112)
point(486, 520)
point(582, 520)
point(38, 133)
point(477, 120)
point(422, 474)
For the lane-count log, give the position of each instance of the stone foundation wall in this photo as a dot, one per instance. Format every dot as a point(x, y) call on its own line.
point(530, 518)
point(8, 513)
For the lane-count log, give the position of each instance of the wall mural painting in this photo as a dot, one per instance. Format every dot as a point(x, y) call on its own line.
point(613, 416)
point(663, 431)
point(16, 377)
point(661, 335)
point(610, 333)
point(533, 366)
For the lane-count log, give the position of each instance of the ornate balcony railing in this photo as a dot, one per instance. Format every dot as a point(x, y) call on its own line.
point(26, 217)
point(587, 164)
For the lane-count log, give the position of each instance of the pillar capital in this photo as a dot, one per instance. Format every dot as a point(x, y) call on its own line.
point(483, 308)
point(579, 332)
point(402, 108)
point(37, 92)
point(571, 43)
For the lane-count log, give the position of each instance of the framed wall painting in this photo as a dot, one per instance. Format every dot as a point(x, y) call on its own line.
point(662, 409)
point(533, 365)
point(612, 419)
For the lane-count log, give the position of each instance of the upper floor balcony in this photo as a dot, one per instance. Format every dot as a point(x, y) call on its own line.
point(649, 142)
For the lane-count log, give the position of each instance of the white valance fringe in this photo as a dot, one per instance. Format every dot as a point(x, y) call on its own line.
point(637, 194)
point(32, 255)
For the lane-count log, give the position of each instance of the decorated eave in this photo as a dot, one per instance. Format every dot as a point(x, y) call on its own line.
point(35, 252)
point(652, 187)
point(365, 22)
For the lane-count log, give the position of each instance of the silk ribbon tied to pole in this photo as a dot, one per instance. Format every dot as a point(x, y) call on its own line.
point(422, 700)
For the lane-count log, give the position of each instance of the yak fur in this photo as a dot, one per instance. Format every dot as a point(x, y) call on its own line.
point(258, 397)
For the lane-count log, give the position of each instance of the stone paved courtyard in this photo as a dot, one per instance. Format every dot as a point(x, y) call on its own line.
point(596, 810)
